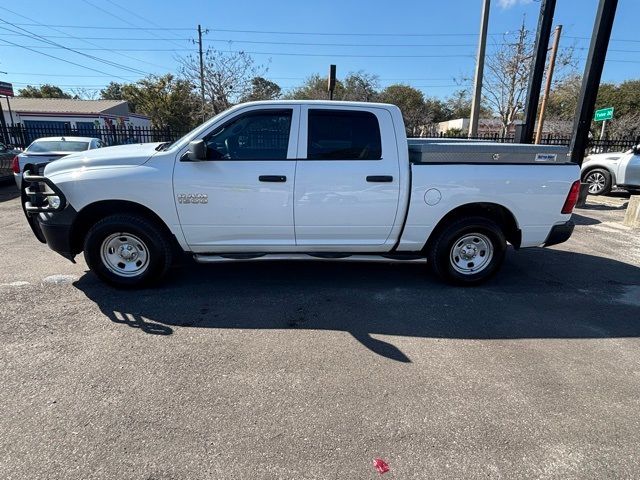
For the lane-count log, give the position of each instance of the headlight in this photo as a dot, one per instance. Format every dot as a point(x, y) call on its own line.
point(54, 201)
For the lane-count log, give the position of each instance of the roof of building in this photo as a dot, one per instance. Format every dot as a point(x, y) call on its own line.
point(67, 105)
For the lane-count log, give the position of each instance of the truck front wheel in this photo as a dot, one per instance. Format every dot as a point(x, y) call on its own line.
point(127, 251)
point(467, 251)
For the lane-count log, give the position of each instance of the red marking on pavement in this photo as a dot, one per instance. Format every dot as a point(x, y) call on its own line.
point(380, 465)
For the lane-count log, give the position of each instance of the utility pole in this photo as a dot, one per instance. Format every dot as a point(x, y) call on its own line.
point(547, 86)
point(204, 116)
point(591, 78)
point(477, 83)
point(545, 20)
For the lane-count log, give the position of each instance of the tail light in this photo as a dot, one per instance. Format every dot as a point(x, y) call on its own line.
point(15, 165)
point(572, 198)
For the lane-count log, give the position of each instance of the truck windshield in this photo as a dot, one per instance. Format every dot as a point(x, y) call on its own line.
point(57, 146)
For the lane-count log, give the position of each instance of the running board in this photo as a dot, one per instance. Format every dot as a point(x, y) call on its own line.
point(208, 258)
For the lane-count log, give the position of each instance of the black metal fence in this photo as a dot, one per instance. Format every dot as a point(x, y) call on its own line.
point(21, 135)
point(595, 146)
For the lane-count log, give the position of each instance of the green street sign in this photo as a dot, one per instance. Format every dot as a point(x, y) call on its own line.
point(604, 114)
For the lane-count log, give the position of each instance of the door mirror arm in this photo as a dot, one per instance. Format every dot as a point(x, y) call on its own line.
point(197, 152)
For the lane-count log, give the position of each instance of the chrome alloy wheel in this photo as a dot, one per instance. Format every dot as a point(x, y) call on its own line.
point(124, 254)
point(596, 182)
point(471, 253)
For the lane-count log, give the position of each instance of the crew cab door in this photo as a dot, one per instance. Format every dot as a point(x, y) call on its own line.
point(347, 178)
point(241, 197)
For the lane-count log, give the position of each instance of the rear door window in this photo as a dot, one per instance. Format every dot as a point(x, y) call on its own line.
point(343, 135)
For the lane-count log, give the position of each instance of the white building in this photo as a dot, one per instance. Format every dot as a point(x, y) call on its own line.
point(60, 115)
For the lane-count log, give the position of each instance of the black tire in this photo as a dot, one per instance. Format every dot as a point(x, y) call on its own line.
point(147, 241)
point(599, 181)
point(471, 236)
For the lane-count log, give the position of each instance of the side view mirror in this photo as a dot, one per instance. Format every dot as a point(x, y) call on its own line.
point(197, 152)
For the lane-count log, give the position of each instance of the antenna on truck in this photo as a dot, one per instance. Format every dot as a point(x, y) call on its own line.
point(331, 84)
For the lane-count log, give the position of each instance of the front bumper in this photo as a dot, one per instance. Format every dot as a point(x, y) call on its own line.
point(50, 225)
point(56, 230)
point(559, 233)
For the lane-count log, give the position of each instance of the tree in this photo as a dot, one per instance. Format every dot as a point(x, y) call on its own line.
point(563, 98)
point(167, 100)
point(113, 91)
point(436, 110)
point(44, 91)
point(228, 77)
point(624, 98)
point(263, 89)
point(627, 125)
point(458, 105)
point(360, 87)
point(507, 75)
point(315, 88)
point(412, 105)
point(357, 86)
point(82, 93)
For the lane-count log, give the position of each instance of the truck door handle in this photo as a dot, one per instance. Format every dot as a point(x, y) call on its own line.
point(380, 178)
point(272, 178)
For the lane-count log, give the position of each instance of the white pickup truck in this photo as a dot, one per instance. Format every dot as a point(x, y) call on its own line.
point(302, 179)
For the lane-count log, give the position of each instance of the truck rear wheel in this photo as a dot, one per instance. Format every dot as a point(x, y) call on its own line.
point(467, 251)
point(127, 251)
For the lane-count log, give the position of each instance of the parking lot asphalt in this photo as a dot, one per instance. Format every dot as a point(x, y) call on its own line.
point(311, 370)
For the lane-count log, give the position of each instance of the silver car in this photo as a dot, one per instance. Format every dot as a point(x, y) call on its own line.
point(602, 171)
point(47, 149)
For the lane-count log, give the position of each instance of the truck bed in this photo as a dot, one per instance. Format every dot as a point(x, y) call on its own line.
point(461, 151)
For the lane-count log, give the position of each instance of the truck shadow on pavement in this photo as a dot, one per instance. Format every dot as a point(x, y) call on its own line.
point(584, 220)
point(540, 293)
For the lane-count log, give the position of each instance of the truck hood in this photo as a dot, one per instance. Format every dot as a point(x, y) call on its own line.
point(120, 156)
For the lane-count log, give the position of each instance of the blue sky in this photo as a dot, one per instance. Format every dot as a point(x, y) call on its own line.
point(428, 44)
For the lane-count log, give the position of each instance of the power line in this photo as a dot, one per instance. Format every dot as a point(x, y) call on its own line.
point(68, 35)
point(123, 19)
point(58, 85)
point(263, 42)
point(62, 59)
point(347, 34)
point(40, 74)
point(29, 34)
point(147, 21)
point(118, 39)
point(459, 55)
point(115, 50)
point(274, 32)
point(612, 40)
point(384, 79)
point(101, 27)
point(101, 49)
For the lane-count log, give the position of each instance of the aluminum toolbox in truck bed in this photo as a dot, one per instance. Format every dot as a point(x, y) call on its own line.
point(428, 150)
